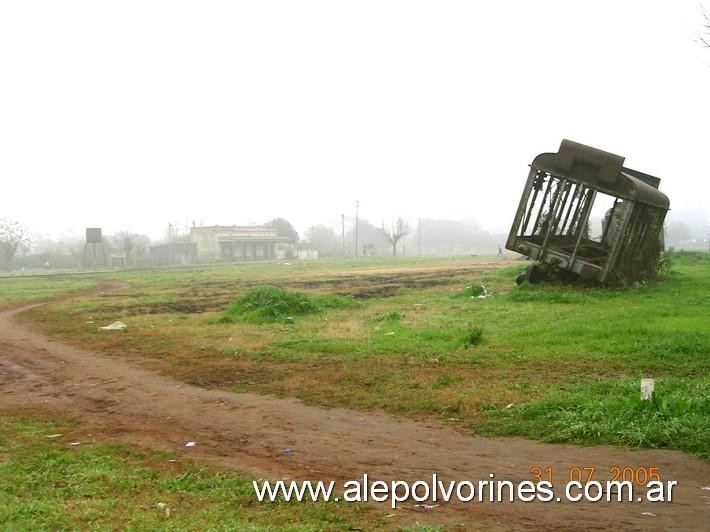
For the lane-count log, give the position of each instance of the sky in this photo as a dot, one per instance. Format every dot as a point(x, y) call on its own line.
point(132, 115)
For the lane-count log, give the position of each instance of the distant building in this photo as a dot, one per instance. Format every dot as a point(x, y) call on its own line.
point(118, 260)
point(232, 243)
point(306, 251)
point(174, 254)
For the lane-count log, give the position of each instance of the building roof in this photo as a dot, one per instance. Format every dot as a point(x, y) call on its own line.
point(241, 233)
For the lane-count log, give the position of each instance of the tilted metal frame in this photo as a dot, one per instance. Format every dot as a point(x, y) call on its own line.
point(559, 194)
point(570, 205)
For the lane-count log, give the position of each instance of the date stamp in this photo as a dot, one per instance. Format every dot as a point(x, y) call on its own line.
point(584, 474)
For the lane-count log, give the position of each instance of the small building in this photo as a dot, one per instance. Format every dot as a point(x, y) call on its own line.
point(174, 254)
point(118, 260)
point(306, 251)
point(233, 243)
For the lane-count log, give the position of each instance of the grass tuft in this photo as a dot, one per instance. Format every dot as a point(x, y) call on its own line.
point(474, 335)
point(268, 304)
point(392, 316)
point(472, 290)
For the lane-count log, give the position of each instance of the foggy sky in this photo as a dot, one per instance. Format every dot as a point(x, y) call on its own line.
point(131, 115)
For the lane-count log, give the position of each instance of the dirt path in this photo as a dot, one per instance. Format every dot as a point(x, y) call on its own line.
point(250, 433)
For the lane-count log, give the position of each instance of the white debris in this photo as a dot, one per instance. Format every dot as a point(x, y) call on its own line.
point(484, 295)
point(166, 509)
point(647, 386)
point(115, 326)
point(190, 444)
point(649, 514)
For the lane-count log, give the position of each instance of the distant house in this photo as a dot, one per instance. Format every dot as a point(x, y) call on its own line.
point(174, 254)
point(233, 243)
point(305, 251)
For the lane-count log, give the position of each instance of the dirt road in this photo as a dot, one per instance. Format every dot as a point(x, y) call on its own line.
point(250, 433)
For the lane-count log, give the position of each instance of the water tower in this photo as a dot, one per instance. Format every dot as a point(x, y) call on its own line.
point(94, 239)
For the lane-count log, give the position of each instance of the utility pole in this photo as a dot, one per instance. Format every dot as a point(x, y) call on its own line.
point(357, 206)
point(342, 229)
point(419, 238)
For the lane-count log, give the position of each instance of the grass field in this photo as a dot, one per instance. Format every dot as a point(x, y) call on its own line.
point(48, 484)
point(15, 289)
point(557, 363)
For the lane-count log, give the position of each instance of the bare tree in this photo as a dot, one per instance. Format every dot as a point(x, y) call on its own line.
point(704, 37)
point(400, 229)
point(13, 236)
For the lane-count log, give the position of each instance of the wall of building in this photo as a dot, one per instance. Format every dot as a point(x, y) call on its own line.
point(174, 254)
point(239, 243)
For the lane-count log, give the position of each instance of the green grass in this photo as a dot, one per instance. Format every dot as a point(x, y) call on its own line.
point(411, 350)
point(471, 291)
point(273, 304)
point(32, 288)
point(46, 484)
point(612, 412)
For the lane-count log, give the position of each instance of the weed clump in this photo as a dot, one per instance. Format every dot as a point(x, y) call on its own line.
point(392, 316)
point(472, 290)
point(268, 304)
point(474, 335)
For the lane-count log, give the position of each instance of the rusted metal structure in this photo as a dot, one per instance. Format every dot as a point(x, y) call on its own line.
point(552, 223)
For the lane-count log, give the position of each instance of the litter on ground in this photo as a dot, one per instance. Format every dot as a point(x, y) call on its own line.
point(115, 326)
